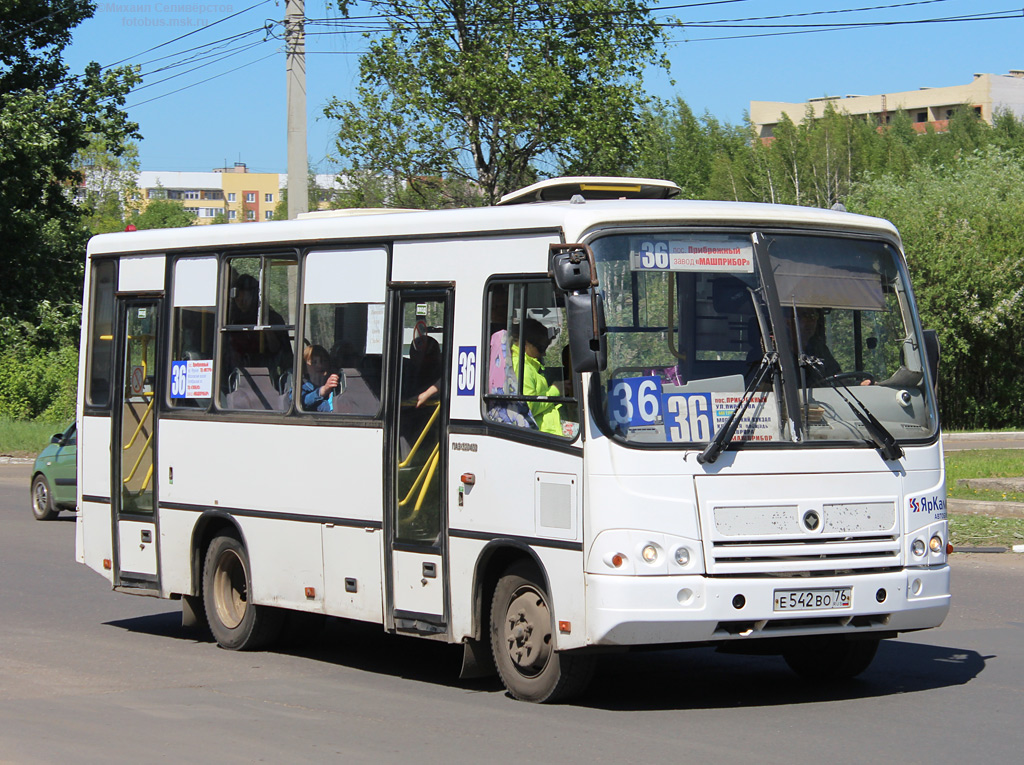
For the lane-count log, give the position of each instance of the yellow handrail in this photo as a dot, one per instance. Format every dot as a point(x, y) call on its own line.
point(416, 446)
point(142, 420)
point(426, 471)
point(138, 461)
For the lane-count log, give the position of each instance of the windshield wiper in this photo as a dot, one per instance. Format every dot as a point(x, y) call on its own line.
point(880, 436)
point(725, 433)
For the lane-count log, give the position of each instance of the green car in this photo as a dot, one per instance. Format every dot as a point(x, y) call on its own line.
point(54, 482)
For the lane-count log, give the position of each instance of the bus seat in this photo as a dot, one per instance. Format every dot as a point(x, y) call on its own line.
point(360, 395)
point(255, 389)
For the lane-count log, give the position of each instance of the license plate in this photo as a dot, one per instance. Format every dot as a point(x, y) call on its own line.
point(812, 600)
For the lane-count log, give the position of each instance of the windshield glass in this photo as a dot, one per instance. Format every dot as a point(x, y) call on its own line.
point(690, 321)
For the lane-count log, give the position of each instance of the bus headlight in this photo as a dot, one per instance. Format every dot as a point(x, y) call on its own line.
point(650, 554)
point(918, 547)
point(935, 543)
point(682, 556)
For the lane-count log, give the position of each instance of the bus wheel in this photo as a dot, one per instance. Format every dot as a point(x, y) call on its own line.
point(236, 624)
point(42, 500)
point(522, 641)
point(830, 658)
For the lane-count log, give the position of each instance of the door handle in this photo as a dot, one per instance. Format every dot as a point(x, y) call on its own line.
point(430, 570)
point(147, 536)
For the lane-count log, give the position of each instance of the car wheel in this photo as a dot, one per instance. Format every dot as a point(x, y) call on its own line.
point(522, 642)
point(236, 623)
point(42, 500)
point(831, 658)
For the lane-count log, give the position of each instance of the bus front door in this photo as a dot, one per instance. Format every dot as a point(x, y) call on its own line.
point(133, 494)
point(416, 523)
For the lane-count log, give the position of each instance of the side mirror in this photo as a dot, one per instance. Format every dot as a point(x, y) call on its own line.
point(588, 348)
point(575, 274)
point(931, 352)
point(56, 438)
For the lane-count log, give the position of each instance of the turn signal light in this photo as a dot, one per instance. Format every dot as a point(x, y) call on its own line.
point(618, 560)
point(949, 549)
point(107, 564)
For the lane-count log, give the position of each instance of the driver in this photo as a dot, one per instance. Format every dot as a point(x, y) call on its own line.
point(807, 333)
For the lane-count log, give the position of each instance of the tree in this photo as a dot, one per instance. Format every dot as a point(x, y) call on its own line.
point(497, 92)
point(964, 236)
point(46, 117)
point(163, 213)
point(109, 194)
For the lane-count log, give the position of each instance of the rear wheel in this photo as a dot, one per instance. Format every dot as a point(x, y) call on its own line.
point(522, 641)
point(42, 500)
point(830, 658)
point(236, 623)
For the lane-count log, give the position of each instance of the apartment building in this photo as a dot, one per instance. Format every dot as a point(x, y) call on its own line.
point(986, 94)
point(233, 192)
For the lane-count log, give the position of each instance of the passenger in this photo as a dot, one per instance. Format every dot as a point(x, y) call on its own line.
point(319, 385)
point(425, 369)
point(535, 345)
point(263, 348)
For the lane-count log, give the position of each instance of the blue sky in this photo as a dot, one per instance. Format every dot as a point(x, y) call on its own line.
point(238, 114)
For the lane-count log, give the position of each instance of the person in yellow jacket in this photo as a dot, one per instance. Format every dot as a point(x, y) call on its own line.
point(535, 345)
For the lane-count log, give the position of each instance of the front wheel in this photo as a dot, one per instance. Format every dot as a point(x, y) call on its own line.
point(831, 658)
point(236, 623)
point(42, 500)
point(522, 641)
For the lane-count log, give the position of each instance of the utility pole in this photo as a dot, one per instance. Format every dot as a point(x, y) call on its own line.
point(295, 64)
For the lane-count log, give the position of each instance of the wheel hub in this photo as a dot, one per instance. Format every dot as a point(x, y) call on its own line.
point(527, 631)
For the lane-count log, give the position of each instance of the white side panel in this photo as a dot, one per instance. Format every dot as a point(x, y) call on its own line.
point(469, 263)
point(504, 498)
point(285, 558)
point(94, 458)
point(137, 547)
point(195, 282)
point(141, 274)
point(352, 572)
point(346, 276)
point(314, 471)
point(414, 591)
point(175, 551)
point(94, 543)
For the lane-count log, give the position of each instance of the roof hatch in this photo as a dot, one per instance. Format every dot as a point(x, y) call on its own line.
point(596, 187)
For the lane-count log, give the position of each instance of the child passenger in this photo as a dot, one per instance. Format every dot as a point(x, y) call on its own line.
point(318, 385)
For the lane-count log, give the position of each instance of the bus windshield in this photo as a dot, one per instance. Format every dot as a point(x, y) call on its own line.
point(815, 329)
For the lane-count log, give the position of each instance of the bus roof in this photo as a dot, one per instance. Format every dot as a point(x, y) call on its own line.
point(572, 219)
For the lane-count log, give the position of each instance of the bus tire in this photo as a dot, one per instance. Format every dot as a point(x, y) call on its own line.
point(236, 623)
point(523, 644)
point(42, 500)
point(830, 658)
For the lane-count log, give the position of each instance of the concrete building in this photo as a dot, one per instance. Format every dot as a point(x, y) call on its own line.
point(986, 94)
point(233, 192)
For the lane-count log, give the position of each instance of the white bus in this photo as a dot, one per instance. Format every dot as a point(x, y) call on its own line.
point(590, 418)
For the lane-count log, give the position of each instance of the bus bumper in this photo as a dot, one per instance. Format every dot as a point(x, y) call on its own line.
point(651, 610)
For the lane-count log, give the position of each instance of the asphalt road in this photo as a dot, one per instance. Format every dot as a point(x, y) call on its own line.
point(89, 675)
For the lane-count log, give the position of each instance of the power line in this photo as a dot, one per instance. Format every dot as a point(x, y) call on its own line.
point(201, 82)
point(187, 34)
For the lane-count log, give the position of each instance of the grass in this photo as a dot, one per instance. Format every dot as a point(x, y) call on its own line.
point(984, 463)
point(26, 439)
point(982, 531)
point(979, 530)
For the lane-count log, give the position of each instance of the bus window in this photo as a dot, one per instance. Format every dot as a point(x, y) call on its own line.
point(342, 358)
point(529, 377)
point(194, 319)
point(101, 336)
point(259, 329)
